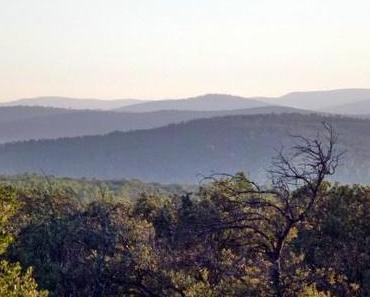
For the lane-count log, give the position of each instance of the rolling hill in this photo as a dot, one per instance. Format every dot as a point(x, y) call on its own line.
point(180, 152)
point(20, 123)
point(321, 100)
point(355, 108)
point(209, 102)
point(20, 113)
point(72, 103)
point(313, 100)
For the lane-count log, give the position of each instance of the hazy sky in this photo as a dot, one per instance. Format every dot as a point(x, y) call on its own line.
point(172, 48)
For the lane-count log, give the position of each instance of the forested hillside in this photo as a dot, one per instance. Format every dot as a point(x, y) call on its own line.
point(184, 152)
point(25, 123)
point(299, 237)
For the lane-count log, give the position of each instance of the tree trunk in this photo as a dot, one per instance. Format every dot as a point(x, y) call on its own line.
point(276, 277)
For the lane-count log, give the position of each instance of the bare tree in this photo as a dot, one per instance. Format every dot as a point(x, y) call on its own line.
point(268, 215)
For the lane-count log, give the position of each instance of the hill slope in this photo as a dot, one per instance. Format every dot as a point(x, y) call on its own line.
point(209, 102)
point(72, 103)
point(312, 100)
point(178, 153)
point(356, 108)
point(20, 113)
point(321, 100)
point(26, 123)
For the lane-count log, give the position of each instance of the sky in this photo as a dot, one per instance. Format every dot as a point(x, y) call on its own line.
point(155, 49)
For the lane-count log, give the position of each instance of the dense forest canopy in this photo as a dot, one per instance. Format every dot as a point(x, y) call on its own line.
point(88, 190)
point(301, 236)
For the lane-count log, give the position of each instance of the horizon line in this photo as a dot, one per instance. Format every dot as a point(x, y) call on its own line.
point(185, 97)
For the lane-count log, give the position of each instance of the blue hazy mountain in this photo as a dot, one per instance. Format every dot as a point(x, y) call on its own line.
point(72, 103)
point(182, 152)
point(209, 102)
point(25, 123)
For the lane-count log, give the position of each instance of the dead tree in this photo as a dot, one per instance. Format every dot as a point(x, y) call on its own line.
point(268, 215)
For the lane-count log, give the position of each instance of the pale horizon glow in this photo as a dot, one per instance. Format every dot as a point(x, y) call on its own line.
point(173, 49)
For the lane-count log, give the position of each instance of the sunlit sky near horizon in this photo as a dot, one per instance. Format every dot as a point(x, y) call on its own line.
point(169, 49)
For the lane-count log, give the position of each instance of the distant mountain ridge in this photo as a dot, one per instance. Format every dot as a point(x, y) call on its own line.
point(208, 102)
point(310, 100)
point(18, 123)
point(20, 113)
point(72, 103)
point(182, 153)
point(356, 108)
point(321, 100)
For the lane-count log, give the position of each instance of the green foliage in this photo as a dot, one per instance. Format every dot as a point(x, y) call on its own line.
point(209, 243)
point(311, 291)
point(16, 283)
point(89, 190)
point(13, 281)
point(337, 238)
point(7, 209)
